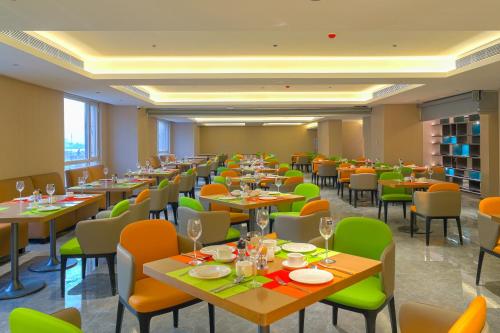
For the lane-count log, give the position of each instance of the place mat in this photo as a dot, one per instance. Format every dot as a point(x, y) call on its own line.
point(36, 212)
point(3, 208)
point(316, 255)
point(208, 285)
point(73, 199)
point(290, 290)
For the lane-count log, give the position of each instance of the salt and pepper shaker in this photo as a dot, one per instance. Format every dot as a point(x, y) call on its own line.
point(242, 252)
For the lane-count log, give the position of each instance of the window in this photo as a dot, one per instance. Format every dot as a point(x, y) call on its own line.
point(81, 132)
point(163, 137)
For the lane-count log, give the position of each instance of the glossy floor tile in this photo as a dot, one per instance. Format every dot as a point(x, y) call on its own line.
point(441, 274)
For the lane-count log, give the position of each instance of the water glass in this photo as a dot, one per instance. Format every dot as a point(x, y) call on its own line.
point(262, 219)
point(430, 171)
point(194, 230)
point(278, 182)
point(50, 189)
point(106, 171)
point(81, 182)
point(20, 187)
point(85, 175)
point(326, 229)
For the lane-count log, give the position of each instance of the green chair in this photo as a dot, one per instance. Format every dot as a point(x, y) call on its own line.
point(24, 320)
point(392, 195)
point(216, 224)
point(220, 180)
point(309, 191)
point(294, 173)
point(285, 165)
point(368, 238)
point(221, 169)
point(406, 171)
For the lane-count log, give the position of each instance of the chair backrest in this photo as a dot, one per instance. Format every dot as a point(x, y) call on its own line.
point(364, 181)
point(211, 189)
point(160, 237)
point(309, 191)
point(294, 180)
point(191, 203)
point(406, 171)
point(314, 207)
point(362, 236)
point(221, 169)
point(215, 225)
point(155, 161)
point(444, 187)
point(230, 173)
point(140, 210)
point(437, 204)
point(163, 183)
point(120, 208)
point(299, 228)
point(490, 206)
point(24, 320)
point(219, 180)
point(438, 169)
point(294, 173)
point(143, 195)
point(177, 179)
point(473, 319)
point(392, 176)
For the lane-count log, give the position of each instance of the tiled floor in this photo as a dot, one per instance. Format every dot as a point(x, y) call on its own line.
point(441, 274)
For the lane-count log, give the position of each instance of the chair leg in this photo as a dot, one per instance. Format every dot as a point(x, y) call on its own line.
point(386, 209)
point(119, 317)
point(372, 197)
point(379, 208)
point(110, 260)
point(175, 206)
point(144, 321)
point(342, 190)
point(176, 317)
point(404, 209)
point(459, 226)
point(302, 316)
point(64, 260)
point(427, 230)
point(335, 315)
point(356, 198)
point(479, 265)
point(392, 314)
point(84, 267)
point(370, 320)
point(350, 197)
point(445, 227)
point(211, 317)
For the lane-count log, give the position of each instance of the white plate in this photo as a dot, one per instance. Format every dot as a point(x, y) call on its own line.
point(30, 198)
point(212, 249)
point(82, 196)
point(291, 267)
point(298, 247)
point(273, 192)
point(227, 197)
point(225, 260)
point(236, 193)
point(264, 197)
point(311, 276)
point(277, 249)
point(209, 272)
point(48, 208)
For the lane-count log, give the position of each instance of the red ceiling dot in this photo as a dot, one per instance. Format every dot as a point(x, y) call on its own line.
point(332, 35)
point(287, 87)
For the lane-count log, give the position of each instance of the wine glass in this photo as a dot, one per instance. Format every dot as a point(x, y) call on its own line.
point(253, 246)
point(430, 171)
point(278, 182)
point(262, 219)
point(228, 183)
point(20, 188)
point(326, 229)
point(106, 171)
point(194, 232)
point(81, 182)
point(129, 173)
point(85, 174)
point(148, 165)
point(50, 189)
point(138, 166)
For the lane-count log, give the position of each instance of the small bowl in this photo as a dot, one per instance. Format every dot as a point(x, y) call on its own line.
point(225, 259)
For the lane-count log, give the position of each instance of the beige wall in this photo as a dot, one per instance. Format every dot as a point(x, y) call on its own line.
point(31, 129)
point(330, 138)
point(377, 133)
point(489, 153)
point(352, 139)
point(185, 139)
point(281, 140)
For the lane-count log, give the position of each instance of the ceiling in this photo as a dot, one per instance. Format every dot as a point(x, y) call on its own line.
point(238, 55)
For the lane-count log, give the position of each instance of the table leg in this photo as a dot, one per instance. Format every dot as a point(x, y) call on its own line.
point(252, 220)
point(16, 288)
point(108, 199)
point(264, 329)
point(53, 263)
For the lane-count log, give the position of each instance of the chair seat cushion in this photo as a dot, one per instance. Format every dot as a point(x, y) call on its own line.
point(396, 197)
point(413, 209)
point(237, 217)
point(344, 180)
point(233, 233)
point(274, 215)
point(496, 249)
point(71, 247)
point(366, 294)
point(151, 295)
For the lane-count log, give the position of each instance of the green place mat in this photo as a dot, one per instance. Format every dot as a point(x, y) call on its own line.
point(3, 208)
point(316, 255)
point(208, 285)
point(36, 212)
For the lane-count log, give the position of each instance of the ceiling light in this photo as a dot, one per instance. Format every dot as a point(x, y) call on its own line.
point(281, 124)
point(224, 124)
point(252, 119)
point(312, 125)
point(394, 45)
point(275, 45)
point(332, 35)
point(154, 45)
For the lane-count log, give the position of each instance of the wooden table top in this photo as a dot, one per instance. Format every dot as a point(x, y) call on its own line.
point(265, 306)
point(156, 173)
point(15, 209)
point(100, 187)
point(251, 203)
point(406, 184)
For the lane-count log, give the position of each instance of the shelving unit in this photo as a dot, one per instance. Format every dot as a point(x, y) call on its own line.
point(456, 146)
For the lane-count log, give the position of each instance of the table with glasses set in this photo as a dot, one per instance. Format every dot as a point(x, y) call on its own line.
point(277, 292)
point(158, 174)
point(107, 187)
point(23, 210)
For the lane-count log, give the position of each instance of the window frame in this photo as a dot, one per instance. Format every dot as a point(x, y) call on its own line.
point(90, 159)
point(167, 136)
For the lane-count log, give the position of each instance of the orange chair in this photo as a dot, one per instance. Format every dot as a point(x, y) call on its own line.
point(489, 231)
point(142, 295)
point(282, 170)
point(211, 189)
point(314, 167)
point(230, 173)
point(344, 177)
point(365, 170)
point(417, 317)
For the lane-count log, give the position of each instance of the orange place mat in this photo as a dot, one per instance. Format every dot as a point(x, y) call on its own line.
point(290, 290)
point(186, 260)
point(257, 199)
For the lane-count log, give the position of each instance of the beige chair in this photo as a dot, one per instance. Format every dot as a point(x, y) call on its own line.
point(94, 239)
point(418, 318)
point(327, 170)
point(139, 207)
point(302, 163)
point(303, 226)
point(186, 185)
point(173, 197)
point(363, 182)
point(441, 201)
point(203, 171)
point(489, 231)
point(159, 199)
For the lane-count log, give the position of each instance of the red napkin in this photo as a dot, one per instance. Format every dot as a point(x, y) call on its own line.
point(284, 275)
point(72, 199)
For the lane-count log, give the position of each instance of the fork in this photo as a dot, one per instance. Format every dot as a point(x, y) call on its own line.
point(281, 282)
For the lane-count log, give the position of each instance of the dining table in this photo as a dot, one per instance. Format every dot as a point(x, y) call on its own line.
point(19, 211)
point(250, 204)
point(107, 187)
point(277, 297)
point(158, 174)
